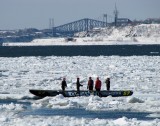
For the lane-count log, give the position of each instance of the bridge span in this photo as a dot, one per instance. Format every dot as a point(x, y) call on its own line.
point(70, 29)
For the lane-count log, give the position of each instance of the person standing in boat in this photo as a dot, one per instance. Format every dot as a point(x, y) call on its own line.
point(63, 84)
point(90, 84)
point(98, 84)
point(107, 81)
point(78, 85)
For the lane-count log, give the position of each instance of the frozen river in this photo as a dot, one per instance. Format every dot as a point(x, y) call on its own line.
point(138, 73)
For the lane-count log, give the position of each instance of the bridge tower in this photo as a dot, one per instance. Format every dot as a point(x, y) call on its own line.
point(115, 15)
point(105, 19)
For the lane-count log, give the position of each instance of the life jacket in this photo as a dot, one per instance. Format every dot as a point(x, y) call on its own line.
point(98, 84)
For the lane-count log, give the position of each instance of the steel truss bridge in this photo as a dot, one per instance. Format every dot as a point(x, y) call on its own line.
point(77, 26)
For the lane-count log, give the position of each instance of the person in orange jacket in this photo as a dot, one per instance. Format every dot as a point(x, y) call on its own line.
point(98, 84)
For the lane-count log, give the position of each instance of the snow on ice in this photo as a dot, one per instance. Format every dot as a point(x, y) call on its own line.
point(138, 73)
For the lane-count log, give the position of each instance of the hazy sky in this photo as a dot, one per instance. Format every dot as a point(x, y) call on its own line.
point(19, 14)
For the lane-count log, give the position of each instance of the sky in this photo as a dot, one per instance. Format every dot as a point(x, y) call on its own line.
point(20, 14)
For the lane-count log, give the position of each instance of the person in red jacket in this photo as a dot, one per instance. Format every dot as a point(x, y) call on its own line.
point(98, 84)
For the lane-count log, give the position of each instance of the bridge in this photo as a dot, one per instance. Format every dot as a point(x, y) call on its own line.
point(77, 26)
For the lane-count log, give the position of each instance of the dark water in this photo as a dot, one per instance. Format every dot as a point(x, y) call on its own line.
point(76, 112)
point(82, 113)
point(94, 50)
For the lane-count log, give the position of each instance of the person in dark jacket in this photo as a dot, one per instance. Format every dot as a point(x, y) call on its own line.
point(78, 85)
point(98, 84)
point(90, 84)
point(63, 84)
point(107, 84)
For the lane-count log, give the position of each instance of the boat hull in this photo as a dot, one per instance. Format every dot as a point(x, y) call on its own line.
point(72, 93)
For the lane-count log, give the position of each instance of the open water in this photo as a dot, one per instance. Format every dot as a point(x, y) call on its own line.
point(85, 50)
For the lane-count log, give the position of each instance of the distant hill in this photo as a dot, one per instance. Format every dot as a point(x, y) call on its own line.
point(143, 32)
point(138, 34)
